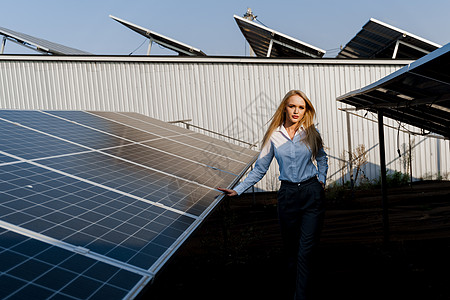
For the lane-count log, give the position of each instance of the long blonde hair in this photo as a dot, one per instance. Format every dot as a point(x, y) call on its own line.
point(312, 137)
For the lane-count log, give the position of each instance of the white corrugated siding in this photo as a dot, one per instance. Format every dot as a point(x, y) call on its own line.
point(235, 97)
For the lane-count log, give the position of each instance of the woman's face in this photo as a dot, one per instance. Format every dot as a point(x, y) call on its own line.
point(295, 109)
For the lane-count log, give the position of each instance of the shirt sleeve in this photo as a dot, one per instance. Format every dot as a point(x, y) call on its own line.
point(261, 165)
point(322, 165)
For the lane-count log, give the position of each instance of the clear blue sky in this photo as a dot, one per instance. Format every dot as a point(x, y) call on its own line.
point(209, 25)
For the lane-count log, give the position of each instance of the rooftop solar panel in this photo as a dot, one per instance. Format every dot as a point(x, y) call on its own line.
point(39, 44)
point(111, 193)
point(182, 48)
point(417, 94)
point(380, 40)
point(267, 42)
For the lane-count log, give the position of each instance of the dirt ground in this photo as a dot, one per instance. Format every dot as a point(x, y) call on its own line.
point(237, 252)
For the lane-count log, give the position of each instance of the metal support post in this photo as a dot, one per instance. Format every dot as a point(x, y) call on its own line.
point(384, 200)
point(350, 155)
point(150, 42)
point(394, 54)
point(3, 45)
point(269, 51)
point(410, 160)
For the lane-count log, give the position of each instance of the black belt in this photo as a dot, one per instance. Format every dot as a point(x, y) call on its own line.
point(307, 181)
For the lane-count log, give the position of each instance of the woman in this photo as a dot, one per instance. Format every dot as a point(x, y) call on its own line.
point(294, 141)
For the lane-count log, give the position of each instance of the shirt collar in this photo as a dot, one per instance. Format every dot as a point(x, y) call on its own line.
point(283, 130)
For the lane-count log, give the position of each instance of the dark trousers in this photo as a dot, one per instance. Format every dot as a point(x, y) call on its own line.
point(301, 210)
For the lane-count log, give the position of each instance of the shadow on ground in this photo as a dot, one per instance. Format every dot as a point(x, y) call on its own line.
point(237, 253)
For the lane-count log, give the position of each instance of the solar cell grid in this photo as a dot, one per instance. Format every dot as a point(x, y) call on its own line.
point(130, 178)
point(29, 144)
point(208, 158)
point(156, 122)
point(193, 140)
point(31, 269)
point(63, 129)
point(105, 125)
point(183, 136)
point(139, 122)
point(234, 149)
point(172, 164)
point(82, 179)
point(71, 219)
point(192, 136)
point(6, 159)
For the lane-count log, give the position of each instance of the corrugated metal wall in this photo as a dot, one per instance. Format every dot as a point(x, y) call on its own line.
point(235, 97)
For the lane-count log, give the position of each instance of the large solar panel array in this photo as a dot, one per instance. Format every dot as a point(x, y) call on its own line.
point(169, 43)
point(377, 39)
point(417, 94)
point(266, 42)
point(39, 44)
point(92, 204)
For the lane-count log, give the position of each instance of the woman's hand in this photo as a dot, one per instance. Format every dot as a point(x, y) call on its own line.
point(228, 192)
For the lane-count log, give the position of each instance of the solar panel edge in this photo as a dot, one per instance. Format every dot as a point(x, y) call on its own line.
point(178, 239)
point(201, 218)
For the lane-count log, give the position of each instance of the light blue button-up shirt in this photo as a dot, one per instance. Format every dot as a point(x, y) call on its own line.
point(294, 159)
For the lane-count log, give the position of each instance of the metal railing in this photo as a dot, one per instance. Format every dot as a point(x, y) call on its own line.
point(188, 126)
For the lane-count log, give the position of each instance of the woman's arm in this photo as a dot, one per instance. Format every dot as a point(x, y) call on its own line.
point(262, 164)
point(228, 192)
point(322, 165)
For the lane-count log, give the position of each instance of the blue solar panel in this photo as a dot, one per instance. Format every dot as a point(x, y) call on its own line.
point(105, 125)
point(86, 215)
point(29, 144)
point(136, 180)
point(31, 269)
point(116, 189)
point(62, 129)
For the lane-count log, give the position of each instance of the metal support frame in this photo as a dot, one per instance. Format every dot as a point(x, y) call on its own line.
point(29, 46)
point(188, 126)
point(384, 199)
point(398, 42)
point(150, 42)
point(3, 45)
point(294, 48)
point(269, 51)
point(394, 54)
point(171, 47)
